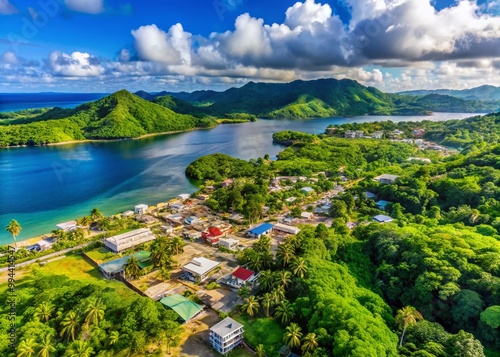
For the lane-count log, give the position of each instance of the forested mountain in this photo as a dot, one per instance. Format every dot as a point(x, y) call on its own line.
point(485, 92)
point(323, 98)
point(119, 115)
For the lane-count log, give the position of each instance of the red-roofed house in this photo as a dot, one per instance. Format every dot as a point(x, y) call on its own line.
point(212, 236)
point(241, 276)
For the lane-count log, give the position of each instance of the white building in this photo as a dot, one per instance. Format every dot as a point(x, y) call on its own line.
point(286, 229)
point(141, 209)
point(386, 178)
point(226, 335)
point(199, 268)
point(184, 196)
point(128, 213)
point(378, 135)
point(229, 243)
point(67, 226)
point(129, 239)
point(307, 215)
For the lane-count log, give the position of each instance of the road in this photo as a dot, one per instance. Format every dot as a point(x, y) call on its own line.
point(48, 256)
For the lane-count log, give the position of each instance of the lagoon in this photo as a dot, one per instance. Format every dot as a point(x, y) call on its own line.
point(43, 186)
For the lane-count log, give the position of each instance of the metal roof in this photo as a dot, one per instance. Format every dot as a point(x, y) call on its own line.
point(261, 229)
point(225, 327)
point(185, 308)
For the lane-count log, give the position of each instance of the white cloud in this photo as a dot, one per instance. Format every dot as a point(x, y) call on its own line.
point(307, 13)
point(77, 64)
point(86, 6)
point(6, 8)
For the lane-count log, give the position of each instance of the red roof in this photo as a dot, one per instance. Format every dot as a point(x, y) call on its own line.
point(242, 274)
point(214, 231)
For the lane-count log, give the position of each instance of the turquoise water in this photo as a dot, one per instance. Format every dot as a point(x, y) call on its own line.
point(43, 186)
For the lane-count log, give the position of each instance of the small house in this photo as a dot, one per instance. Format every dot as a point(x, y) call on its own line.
point(378, 135)
point(291, 199)
point(168, 230)
point(382, 218)
point(67, 226)
point(241, 276)
point(141, 209)
point(226, 335)
point(185, 308)
point(307, 190)
point(199, 268)
point(184, 196)
point(286, 229)
point(382, 204)
point(386, 178)
point(227, 183)
point(229, 243)
point(128, 213)
point(307, 215)
point(212, 235)
point(370, 195)
point(263, 229)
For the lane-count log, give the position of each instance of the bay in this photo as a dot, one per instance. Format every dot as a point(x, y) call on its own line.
point(43, 186)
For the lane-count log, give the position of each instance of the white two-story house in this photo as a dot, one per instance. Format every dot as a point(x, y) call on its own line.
point(226, 335)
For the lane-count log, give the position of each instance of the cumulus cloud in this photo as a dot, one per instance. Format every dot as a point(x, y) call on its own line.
point(86, 6)
point(6, 8)
point(76, 64)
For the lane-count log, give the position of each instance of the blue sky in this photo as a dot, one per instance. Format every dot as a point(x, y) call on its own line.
point(106, 45)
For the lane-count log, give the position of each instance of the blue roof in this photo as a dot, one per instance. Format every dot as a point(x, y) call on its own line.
point(261, 229)
point(382, 203)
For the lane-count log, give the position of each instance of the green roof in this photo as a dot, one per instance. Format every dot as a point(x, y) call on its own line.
point(184, 307)
point(116, 265)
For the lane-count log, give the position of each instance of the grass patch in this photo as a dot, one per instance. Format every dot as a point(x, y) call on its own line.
point(239, 352)
point(264, 330)
point(100, 255)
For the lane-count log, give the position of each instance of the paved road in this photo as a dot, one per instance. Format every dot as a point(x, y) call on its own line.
point(48, 256)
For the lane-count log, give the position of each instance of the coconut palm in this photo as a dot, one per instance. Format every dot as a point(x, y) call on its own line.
point(69, 325)
point(259, 351)
point(284, 311)
point(309, 342)
point(14, 228)
point(177, 245)
point(266, 302)
point(255, 262)
point(80, 349)
point(132, 268)
point(284, 254)
point(283, 278)
point(45, 347)
point(266, 280)
point(43, 312)
point(250, 306)
point(407, 316)
point(160, 255)
point(95, 312)
point(114, 337)
point(96, 214)
point(26, 348)
point(84, 221)
point(299, 267)
point(292, 335)
point(278, 294)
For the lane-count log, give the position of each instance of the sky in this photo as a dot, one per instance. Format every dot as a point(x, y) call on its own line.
point(184, 45)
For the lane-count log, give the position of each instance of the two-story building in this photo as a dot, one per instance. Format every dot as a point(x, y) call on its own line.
point(226, 335)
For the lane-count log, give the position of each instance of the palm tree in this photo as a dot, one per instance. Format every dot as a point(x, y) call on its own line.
point(284, 311)
point(283, 278)
point(407, 316)
point(94, 311)
point(132, 268)
point(43, 312)
point(284, 254)
point(114, 337)
point(250, 306)
point(292, 335)
point(309, 342)
point(266, 280)
point(45, 346)
point(26, 348)
point(266, 302)
point(177, 245)
point(299, 267)
point(278, 294)
point(267, 260)
point(84, 221)
point(69, 325)
point(259, 351)
point(256, 262)
point(160, 254)
point(80, 349)
point(14, 228)
point(96, 214)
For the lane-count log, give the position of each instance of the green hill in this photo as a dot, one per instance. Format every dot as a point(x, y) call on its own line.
point(179, 106)
point(118, 116)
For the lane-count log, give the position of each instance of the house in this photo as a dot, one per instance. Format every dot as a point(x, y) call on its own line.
point(67, 226)
point(128, 213)
point(176, 207)
point(185, 308)
point(236, 217)
point(199, 268)
point(307, 215)
point(175, 219)
point(188, 221)
point(203, 197)
point(168, 230)
point(116, 267)
point(226, 335)
point(229, 243)
point(351, 134)
point(212, 235)
point(263, 229)
point(378, 135)
point(141, 209)
point(397, 132)
point(129, 239)
point(382, 204)
point(418, 132)
point(241, 276)
point(227, 183)
point(419, 142)
point(43, 245)
point(192, 234)
point(386, 178)
point(146, 218)
point(291, 199)
point(184, 196)
point(370, 195)
point(382, 219)
point(286, 229)
point(307, 190)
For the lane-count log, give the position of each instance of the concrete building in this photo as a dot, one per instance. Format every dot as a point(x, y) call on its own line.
point(67, 226)
point(351, 134)
point(184, 196)
point(307, 215)
point(226, 335)
point(199, 268)
point(286, 229)
point(386, 178)
point(263, 229)
point(382, 218)
point(141, 209)
point(229, 243)
point(129, 239)
point(128, 213)
point(378, 135)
